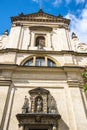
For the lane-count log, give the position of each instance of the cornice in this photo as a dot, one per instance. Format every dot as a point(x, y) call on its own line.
point(40, 16)
point(20, 68)
point(63, 52)
point(5, 82)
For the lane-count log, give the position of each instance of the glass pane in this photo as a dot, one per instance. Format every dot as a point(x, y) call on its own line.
point(29, 62)
point(50, 63)
point(40, 62)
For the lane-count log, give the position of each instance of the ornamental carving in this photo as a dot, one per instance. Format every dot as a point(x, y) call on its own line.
point(40, 16)
point(82, 47)
point(42, 110)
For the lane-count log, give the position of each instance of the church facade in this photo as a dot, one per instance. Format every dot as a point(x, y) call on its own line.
point(41, 66)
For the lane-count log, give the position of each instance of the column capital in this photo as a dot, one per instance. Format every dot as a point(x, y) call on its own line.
point(75, 83)
point(5, 82)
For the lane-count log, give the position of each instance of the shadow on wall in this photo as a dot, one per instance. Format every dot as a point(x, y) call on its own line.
point(62, 125)
point(53, 106)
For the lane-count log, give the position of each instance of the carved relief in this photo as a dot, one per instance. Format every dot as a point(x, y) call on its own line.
point(41, 102)
point(25, 108)
point(82, 47)
point(40, 42)
point(79, 46)
point(38, 104)
point(3, 39)
point(43, 111)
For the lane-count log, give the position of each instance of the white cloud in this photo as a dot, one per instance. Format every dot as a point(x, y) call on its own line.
point(57, 2)
point(68, 1)
point(80, 1)
point(35, 1)
point(79, 25)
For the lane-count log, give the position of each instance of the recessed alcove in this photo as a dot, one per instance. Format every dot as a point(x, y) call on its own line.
point(43, 113)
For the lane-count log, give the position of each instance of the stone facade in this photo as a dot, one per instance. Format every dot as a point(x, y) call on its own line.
point(39, 52)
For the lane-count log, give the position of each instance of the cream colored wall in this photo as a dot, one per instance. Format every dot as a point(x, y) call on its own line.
point(79, 108)
point(57, 93)
point(25, 40)
point(3, 96)
point(69, 104)
point(63, 84)
point(63, 59)
point(68, 98)
point(14, 37)
point(18, 101)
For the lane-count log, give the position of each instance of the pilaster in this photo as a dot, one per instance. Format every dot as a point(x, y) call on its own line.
point(70, 111)
point(8, 106)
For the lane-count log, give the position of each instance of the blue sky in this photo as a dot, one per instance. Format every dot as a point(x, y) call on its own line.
point(76, 10)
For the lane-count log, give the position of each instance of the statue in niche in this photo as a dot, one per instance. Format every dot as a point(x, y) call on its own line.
point(52, 108)
point(40, 42)
point(25, 108)
point(39, 105)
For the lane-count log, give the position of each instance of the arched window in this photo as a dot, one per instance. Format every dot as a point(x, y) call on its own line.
point(40, 61)
point(29, 62)
point(40, 41)
point(50, 63)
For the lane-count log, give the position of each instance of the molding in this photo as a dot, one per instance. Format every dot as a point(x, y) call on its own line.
point(5, 82)
point(68, 52)
point(75, 83)
point(41, 68)
point(40, 16)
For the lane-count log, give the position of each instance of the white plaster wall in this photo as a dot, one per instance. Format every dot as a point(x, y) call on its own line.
point(78, 107)
point(63, 59)
point(3, 96)
point(82, 60)
point(3, 41)
point(14, 37)
point(20, 94)
point(56, 40)
point(9, 57)
point(59, 96)
point(25, 39)
point(60, 39)
point(63, 38)
point(68, 59)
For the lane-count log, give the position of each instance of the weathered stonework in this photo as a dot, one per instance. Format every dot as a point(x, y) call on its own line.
point(61, 63)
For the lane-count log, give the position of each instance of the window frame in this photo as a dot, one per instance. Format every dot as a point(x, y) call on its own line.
point(45, 60)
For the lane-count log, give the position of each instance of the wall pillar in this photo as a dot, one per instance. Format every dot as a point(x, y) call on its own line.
point(70, 111)
point(8, 107)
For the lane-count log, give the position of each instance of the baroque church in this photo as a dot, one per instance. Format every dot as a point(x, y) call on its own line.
point(41, 66)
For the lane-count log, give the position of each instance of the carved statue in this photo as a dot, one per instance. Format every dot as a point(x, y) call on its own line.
point(39, 105)
point(53, 106)
point(25, 108)
point(40, 42)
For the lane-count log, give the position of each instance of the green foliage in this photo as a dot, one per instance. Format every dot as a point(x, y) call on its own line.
point(84, 75)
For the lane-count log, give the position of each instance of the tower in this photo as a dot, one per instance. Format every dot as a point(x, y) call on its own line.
point(40, 75)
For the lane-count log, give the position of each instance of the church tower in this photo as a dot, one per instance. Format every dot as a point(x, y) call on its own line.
point(41, 87)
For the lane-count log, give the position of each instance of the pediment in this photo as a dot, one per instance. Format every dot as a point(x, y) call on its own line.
point(39, 90)
point(40, 16)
